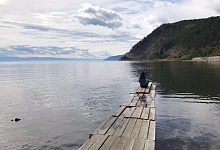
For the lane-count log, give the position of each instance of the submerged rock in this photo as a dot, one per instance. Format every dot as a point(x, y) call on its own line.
point(16, 119)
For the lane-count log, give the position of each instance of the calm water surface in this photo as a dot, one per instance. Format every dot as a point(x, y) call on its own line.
point(61, 103)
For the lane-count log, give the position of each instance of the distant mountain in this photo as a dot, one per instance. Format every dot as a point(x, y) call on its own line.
point(114, 58)
point(9, 59)
point(181, 40)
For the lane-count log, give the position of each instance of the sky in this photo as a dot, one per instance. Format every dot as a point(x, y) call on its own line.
point(87, 28)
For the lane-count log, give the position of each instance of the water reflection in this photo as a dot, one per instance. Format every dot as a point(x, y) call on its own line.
point(60, 103)
point(187, 104)
point(198, 78)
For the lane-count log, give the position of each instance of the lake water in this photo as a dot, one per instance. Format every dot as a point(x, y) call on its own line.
point(61, 103)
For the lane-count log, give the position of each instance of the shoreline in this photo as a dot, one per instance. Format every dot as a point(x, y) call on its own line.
point(207, 59)
point(195, 59)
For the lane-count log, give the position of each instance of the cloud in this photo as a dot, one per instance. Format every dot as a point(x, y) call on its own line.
point(48, 51)
point(119, 36)
point(94, 15)
point(168, 12)
point(4, 2)
point(42, 28)
point(88, 29)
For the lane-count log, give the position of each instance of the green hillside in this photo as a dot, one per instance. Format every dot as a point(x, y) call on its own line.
point(180, 40)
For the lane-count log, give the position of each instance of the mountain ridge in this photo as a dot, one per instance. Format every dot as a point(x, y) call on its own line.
point(181, 40)
point(115, 58)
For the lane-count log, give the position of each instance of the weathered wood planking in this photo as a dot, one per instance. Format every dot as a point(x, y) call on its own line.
point(152, 94)
point(136, 129)
point(152, 91)
point(144, 130)
point(151, 104)
point(105, 125)
point(137, 112)
point(148, 87)
point(145, 113)
point(89, 143)
point(134, 101)
point(108, 143)
point(139, 144)
point(154, 86)
point(121, 128)
point(101, 124)
point(152, 127)
point(130, 112)
point(145, 96)
point(98, 143)
point(149, 145)
point(115, 126)
point(119, 111)
point(123, 143)
point(129, 128)
point(142, 103)
point(141, 90)
point(152, 114)
point(126, 111)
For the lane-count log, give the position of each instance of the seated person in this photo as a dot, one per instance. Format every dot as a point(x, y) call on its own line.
point(143, 79)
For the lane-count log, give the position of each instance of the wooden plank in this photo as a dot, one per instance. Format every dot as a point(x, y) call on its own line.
point(130, 112)
point(115, 126)
point(152, 114)
point(138, 144)
point(122, 127)
point(101, 124)
point(115, 144)
point(148, 87)
point(149, 145)
point(154, 86)
point(137, 112)
point(151, 135)
point(124, 113)
point(141, 103)
point(99, 142)
point(136, 129)
point(152, 94)
point(145, 113)
point(118, 111)
point(141, 90)
point(129, 128)
point(108, 143)
point(134, 101)
point(145, 96)
point(123, 143)
point(107, 125)
point(144, 130)
point(89, 143)
point(135, 94)
point(151, 103)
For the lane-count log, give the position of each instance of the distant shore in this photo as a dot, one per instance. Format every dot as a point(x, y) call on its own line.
point(199, 59)
point(209, 59)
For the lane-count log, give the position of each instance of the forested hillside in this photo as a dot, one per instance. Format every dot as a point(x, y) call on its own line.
point(181, 40)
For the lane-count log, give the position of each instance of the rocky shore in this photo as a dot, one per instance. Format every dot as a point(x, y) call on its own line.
point(211, 59)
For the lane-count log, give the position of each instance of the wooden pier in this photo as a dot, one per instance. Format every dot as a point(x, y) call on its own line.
point(131, 127)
